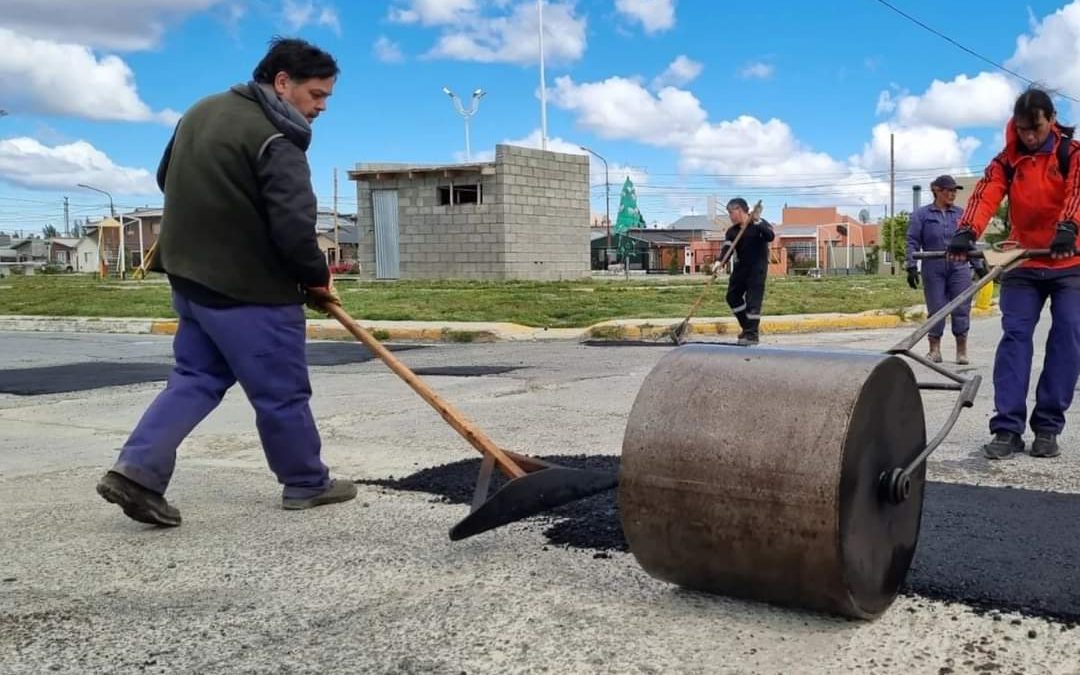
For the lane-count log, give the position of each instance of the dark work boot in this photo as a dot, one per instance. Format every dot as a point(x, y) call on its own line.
point(137, 502)
point(338, 491)
point(1003, 446)
point(1045, 445)
point(748, 338)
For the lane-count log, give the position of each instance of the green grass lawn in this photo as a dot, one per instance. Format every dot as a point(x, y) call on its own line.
point(563, 304)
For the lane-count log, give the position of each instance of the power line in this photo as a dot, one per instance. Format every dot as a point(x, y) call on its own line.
point(969, 51)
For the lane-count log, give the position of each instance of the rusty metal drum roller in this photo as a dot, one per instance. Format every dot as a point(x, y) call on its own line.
point(759, 473)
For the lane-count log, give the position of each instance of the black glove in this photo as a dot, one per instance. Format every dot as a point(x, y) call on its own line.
point(1064, 242)
point(962, 243)
point(913, 277)
point(978, 265)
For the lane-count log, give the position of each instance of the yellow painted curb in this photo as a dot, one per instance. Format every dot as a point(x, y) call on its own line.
point(163, 327)
point(317, 332)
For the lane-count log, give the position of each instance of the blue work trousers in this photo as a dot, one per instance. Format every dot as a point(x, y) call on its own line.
point(943, 281)
point(1023, 293)
point(262, 347)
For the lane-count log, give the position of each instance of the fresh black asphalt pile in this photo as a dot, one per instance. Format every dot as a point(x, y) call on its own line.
point(96, 374)
point(990, 548)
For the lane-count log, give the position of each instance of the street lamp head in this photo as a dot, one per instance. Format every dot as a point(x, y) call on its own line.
point(478, 93)
point(446, 90)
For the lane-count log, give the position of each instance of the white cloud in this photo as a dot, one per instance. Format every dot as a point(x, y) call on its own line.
point(69, 80)
point(1051, 55)
point(758, 70)
point(300, 13)
point(511, 38)
point(983, 100)
point(620, 108)
point(27, 163)
point(927, 148)
point(747, 151)
point(432, 12)
point(114, 25)
point(679, 73)
point(388, 51)
point(653, 15)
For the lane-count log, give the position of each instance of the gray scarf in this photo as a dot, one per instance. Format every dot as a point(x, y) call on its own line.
point(282, 114)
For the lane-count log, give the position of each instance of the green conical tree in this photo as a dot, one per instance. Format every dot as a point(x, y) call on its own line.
point(629, 217)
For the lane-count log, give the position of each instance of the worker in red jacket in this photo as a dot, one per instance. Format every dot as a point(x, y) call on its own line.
point(1039, 173)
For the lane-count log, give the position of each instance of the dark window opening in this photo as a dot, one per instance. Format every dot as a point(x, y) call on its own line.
point(461, 194)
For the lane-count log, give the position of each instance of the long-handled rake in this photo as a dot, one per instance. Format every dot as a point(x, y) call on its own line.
point(678, 333)
point(534, 486)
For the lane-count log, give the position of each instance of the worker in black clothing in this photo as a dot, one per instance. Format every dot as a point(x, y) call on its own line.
point(746, 287)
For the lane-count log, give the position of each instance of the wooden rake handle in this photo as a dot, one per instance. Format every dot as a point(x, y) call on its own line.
point(452, 416)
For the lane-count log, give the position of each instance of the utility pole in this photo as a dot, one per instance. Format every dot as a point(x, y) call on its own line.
point(543, 86)
point(67, 221)
point(337, 242)
point(892, 205)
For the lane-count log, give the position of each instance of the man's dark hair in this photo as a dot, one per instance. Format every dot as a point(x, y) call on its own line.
point(1030, 102)
point(300, 59)
point(740, 202)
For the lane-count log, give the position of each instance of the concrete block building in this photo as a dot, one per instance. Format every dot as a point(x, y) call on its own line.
point(523, 216)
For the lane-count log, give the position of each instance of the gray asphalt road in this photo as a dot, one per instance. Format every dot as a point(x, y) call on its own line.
point(376, 586)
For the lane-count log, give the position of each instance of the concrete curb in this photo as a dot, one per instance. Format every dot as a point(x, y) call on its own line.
point(462, 331)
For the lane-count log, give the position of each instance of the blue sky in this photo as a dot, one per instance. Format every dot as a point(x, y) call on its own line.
point(779, 100)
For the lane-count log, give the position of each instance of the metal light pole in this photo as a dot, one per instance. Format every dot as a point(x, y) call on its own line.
point(474, 105)
point(607, 196)
point(543, 85)
point(112, 212)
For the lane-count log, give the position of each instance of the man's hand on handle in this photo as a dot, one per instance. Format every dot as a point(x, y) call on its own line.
point(317, 297)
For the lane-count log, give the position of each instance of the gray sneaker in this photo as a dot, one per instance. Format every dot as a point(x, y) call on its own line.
point(1045, 445)
point(1003, 446)
point(138, 503)
point(339, 490)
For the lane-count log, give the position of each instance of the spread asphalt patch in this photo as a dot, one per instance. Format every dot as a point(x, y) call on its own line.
point(463, 371)
point(79, 377)
point(342, 353)
point(991, 548)
point(97, 374)
point(659, 342)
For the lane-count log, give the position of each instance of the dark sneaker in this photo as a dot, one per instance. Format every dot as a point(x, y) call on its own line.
point(1003, 446)
point(1045, 445)
point(137, 502)
point(338, 491)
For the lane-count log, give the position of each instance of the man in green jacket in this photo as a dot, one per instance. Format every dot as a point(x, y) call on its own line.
point(239, 247)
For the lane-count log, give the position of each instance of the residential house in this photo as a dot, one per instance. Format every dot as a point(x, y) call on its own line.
point(62, 252)
point(662, 250)
point(524, 215)
point(820, 240)
point(347, 239)
point(31, 249)
point(87, 255)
